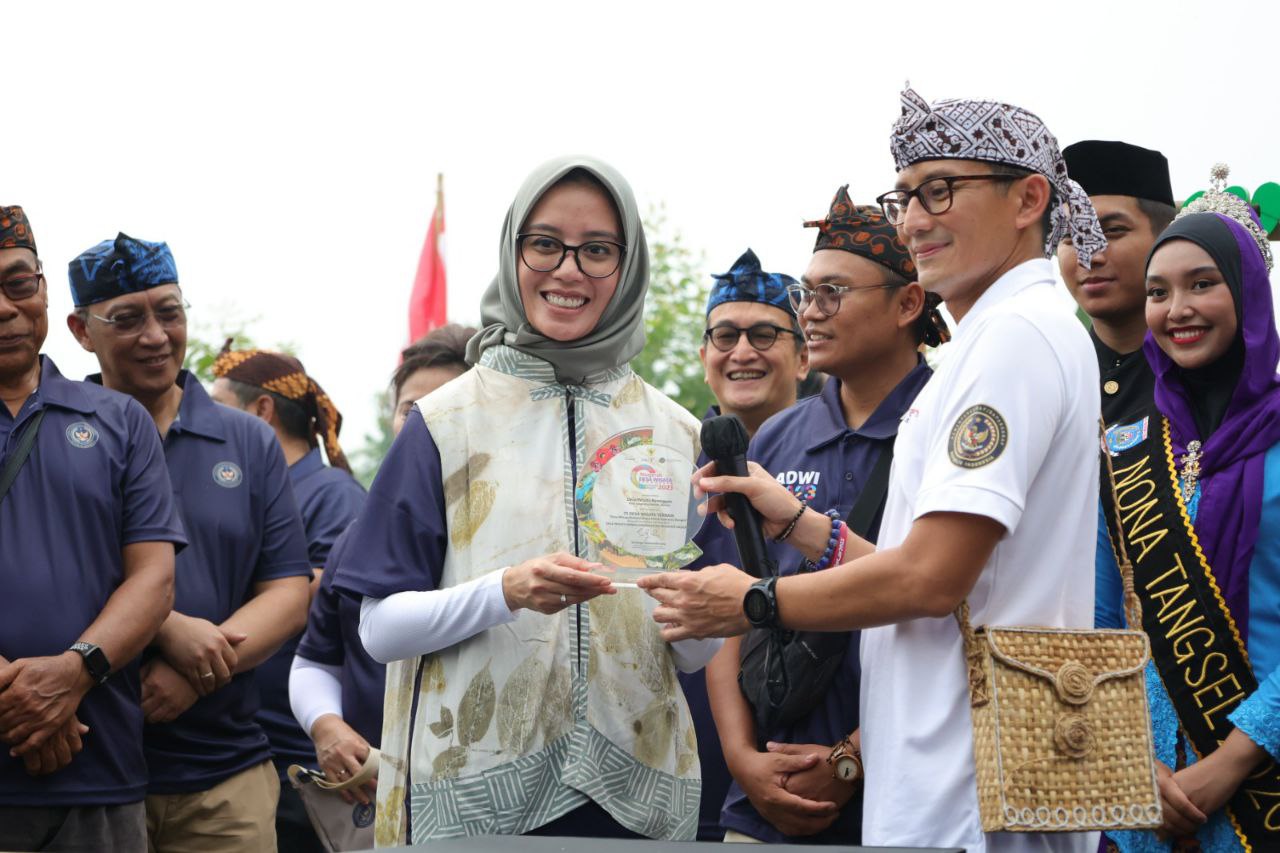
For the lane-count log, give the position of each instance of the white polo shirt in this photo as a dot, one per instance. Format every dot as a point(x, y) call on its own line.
point(1007, 429)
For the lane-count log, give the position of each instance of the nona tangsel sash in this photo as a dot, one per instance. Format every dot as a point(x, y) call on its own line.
point(1196, 646)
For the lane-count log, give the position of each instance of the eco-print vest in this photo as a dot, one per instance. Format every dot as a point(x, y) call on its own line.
point(525, 722)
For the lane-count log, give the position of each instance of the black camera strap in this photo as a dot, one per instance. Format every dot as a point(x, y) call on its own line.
point(20, 454)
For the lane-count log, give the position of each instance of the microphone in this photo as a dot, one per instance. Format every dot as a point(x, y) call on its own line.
point(724, 440)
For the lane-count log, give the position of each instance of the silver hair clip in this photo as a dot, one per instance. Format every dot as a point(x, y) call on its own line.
point(1216, 199)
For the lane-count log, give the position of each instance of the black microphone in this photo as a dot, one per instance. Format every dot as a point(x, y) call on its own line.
point(724, 440)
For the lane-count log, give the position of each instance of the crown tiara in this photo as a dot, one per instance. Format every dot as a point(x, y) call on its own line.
point(1216, 199)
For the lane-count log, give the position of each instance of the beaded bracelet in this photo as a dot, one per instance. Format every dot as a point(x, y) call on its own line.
point(791, 526)
point(833, 541)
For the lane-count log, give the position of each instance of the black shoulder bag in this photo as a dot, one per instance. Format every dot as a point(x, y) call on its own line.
point(784, 674)
point(20, 454)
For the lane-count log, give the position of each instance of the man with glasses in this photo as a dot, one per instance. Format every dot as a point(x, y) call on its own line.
point(89, 529)
point(864, 318)
point(752, 353)
point(753, 357)
point(241, 585)
point(992, 499)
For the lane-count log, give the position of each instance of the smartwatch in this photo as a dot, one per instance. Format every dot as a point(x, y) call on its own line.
point(95, 660)
point(760, 604)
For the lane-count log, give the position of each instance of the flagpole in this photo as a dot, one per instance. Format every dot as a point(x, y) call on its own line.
point(439, 193)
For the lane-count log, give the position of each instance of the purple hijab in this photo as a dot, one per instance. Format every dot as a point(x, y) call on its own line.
point(1233, 458)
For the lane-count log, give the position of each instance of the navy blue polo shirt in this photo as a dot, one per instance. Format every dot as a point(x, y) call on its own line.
point(715, 773)
point(401, 535)
point(242, 521)
point(810, 449)
point(95, 481)
point(329, 499)
point(333, 638)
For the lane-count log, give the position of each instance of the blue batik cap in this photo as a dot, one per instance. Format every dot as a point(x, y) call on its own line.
point(747, 282)
point(116, 267)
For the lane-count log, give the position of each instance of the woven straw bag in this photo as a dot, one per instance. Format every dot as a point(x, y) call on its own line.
point(1061, 731)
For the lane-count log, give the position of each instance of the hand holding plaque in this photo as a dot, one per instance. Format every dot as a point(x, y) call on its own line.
point(636, 504)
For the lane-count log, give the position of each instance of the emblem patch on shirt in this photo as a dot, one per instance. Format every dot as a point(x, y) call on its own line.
point(228, 475)
point(978, 438)
point(81, 434)
point(1122, 437)
point(362, 815)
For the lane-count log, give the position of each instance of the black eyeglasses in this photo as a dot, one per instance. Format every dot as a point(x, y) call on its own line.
point(595, 259)
point(761, 336)
point(935, 195)
point(828, 296)
point(129, 323)
point(19, 287)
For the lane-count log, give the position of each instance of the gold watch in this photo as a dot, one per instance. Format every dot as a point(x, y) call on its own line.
point(846, 762)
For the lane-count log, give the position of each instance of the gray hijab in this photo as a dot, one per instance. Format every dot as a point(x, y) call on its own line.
point(619, 335)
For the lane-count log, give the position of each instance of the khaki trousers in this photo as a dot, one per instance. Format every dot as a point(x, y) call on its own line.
point(235, 816)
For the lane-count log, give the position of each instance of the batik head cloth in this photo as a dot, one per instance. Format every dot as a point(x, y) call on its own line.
point(284, 375)
point(993, 132)
point(862, 230)
point(116, 267)
point(15, 231)
point(747, 282)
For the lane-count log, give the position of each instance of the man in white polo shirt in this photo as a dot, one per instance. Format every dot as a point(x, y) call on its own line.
point(992, 495)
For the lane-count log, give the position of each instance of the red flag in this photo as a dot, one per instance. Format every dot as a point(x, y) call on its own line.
point(428, 307)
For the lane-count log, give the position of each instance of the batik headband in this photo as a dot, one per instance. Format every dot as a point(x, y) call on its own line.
point(990, 131)
point(862, 230)
point(284, 375)
point(1217, 200)
point(116, 267)
point(15, 230)
point(748, 282)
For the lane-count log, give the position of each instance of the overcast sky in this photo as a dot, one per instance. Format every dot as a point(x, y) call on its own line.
point(287, 152)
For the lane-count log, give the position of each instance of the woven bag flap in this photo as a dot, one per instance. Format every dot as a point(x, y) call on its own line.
point(1073, 660)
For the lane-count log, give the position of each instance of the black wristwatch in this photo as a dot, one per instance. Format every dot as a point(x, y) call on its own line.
point(760, 604)
point(95, 660)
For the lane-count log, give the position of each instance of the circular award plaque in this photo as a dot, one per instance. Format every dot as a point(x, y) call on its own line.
point(636, 504)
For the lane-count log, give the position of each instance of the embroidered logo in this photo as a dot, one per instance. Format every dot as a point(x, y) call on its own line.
point(362, 815)
point(228, 475)
point(978, 438)
point(1126, 437)
point(81, 434)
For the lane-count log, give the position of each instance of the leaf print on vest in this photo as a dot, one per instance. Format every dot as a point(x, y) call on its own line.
point(689, 756)
point(655, 731)
point(557, 713)
point(444, 726)
point(457, 483)
point(389, 823)
point(471, 513)
point(520, 705)
point(449, 763)
point(432, 675)
point(475, 711)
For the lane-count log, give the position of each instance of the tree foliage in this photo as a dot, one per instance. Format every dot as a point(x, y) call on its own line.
point(675, 315)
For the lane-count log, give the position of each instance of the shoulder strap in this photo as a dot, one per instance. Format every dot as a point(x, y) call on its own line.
point(873, 494)
point(20, 454)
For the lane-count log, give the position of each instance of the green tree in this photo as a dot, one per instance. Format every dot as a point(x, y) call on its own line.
point(366, 458)
point(206, 339)
point(674, 317)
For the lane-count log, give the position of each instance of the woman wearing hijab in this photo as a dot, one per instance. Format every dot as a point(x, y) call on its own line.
point(1199, 498)
point(524, 693)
